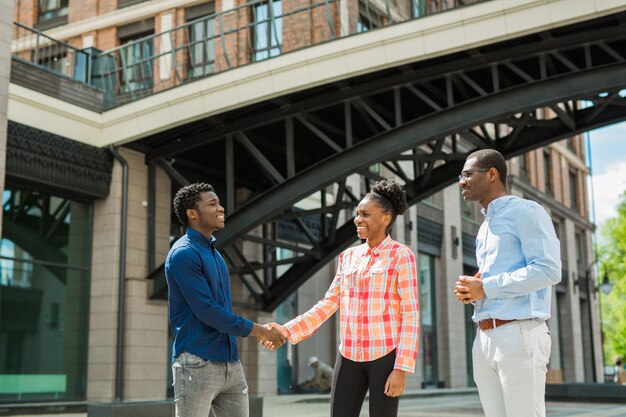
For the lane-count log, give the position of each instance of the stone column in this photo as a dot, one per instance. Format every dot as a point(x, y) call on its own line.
point(6, 25)
point(451, 313)
point(572, 341)
point(145, 358)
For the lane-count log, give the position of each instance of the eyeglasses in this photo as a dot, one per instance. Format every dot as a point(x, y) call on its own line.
point(466, 174)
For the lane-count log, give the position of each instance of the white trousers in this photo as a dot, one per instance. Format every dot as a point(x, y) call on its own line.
point(510, 364)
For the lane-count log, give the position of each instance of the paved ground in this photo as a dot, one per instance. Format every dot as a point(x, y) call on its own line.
point(456, 405)
point(440, 403)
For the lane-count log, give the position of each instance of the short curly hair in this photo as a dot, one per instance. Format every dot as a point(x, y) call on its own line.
point(187, 198)
point(488, 158)
point(390, 197)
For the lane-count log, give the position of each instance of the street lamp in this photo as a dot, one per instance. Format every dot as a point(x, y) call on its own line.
point(605, 287)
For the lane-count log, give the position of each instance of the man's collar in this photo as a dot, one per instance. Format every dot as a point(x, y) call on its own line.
point(200, 238)
point(496, 204)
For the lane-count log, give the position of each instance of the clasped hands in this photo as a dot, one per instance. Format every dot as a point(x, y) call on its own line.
point(271, 335)
point(469, 289)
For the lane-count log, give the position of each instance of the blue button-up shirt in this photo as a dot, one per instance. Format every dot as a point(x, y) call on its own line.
point(519, 258)
point(200, 306)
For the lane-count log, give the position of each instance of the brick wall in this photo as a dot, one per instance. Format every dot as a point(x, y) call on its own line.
point(26, 12)
point(81, 10)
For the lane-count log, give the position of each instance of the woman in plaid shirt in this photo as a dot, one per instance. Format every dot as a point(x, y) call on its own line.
point(375, 289)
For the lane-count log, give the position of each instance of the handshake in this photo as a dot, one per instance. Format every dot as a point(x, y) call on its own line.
point(271, 335)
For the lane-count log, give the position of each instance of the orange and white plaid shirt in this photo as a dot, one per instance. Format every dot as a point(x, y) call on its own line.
point(376, 292)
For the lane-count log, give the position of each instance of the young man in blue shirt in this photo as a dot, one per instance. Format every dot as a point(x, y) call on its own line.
point(519, 261)
point(208, 376)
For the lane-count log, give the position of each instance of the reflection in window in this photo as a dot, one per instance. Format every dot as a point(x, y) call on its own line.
point(45, 253)
point(547, 172)
point(428, 318)
point(523, 167)
point(136, 58)
point(369, 17)
point(52, 9)
point(202, 48)
point(268, 30)
point(573, 189)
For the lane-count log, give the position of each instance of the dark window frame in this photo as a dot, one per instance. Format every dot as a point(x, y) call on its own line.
point(547, 172)
point(141, 70)
point(201, 53)
point(270, 43)
point(369, 18)
point(573, 188)
point(50, 17)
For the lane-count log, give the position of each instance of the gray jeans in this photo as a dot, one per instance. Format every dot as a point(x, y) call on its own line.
point(204, 388)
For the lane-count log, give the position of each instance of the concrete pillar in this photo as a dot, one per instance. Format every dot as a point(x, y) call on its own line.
point(596, 324)
point(6, 25)
point(450, 312)
point(145, 358)
point(572, 328)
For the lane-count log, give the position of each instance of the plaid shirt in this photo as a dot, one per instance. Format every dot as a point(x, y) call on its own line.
point(376, 290)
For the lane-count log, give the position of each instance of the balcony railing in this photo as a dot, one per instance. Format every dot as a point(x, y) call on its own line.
point(33, 46)
point(255, 31)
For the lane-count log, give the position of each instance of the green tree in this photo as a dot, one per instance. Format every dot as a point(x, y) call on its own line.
point(612, 255)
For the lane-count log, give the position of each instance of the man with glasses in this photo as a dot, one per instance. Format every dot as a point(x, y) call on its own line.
point(519, 260)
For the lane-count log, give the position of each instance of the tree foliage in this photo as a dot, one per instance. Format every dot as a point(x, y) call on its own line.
point(613, 260)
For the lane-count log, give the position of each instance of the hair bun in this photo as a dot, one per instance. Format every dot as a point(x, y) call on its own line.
point(393, 192)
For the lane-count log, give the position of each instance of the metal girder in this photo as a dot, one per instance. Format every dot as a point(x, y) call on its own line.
point(441, 178)
point(412, 135)
point(418, 121)
point(524, 137)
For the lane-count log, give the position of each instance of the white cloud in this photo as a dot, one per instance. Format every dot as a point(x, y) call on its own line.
point(607, 190)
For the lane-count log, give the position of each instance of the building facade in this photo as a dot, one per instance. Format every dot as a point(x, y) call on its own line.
point(79, 318)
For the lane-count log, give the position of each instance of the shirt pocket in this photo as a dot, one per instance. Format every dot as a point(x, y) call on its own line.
point(347, 293)
point(379, 278)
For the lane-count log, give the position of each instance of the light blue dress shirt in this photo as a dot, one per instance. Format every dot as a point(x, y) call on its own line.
point(519, 257)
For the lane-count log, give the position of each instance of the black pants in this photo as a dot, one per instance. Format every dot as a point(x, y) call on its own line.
point(351, 380)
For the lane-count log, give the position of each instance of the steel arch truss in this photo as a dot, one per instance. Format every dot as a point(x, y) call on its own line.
point(419, 121)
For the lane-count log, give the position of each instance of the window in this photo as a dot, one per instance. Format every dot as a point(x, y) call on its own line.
point(466, 209)
point(268, 30)
point(201, 35)
point(55, 62)
point(44, 293)
point(547, 172)
point(202, 48)
point(523, 167)
point(570, 144)
point(573, 188)
point(126, 3)
point(580, 251)
point(136, 59)
point(52, 13)
point(428, 318)
point(369, 17)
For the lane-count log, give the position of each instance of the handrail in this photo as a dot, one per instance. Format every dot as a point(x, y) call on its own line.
point(217, 42)
point(37, 48)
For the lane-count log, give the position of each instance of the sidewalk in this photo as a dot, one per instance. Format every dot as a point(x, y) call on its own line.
point(441, 402)
point(431, 403)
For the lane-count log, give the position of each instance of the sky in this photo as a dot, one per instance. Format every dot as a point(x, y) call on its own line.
point(608, 158)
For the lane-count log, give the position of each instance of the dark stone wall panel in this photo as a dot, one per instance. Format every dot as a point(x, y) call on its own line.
point(57, 163)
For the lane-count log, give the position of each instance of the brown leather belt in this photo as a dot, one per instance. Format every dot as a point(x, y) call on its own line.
point(492, 323)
